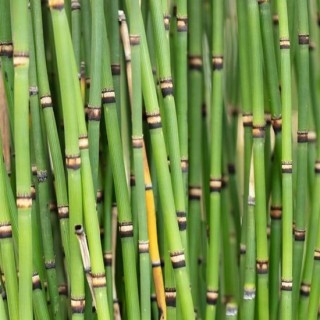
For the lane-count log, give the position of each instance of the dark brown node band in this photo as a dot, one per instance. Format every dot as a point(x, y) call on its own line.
point(107, 258)
point(286, 285)
point(166, 21)
point(171, 295)
point(195, 193)
point(126, 229)
point(182, 220)
point(108, 96)
point(115, 69)
point(177, 259)
point(276, 212)
point(276, 124)
point(262, 266)
point(303, 39)
point(184, 164)
point(212, 297)
point(63, 212)
point(33, 91)
point(148, 187)
point(20, 58)
point(156, 264)
point(217, 63)
point(99, 197)
point(275, 19)
point(73, 162)
point(132, 180)
point(182, 24)
point(317, 167)
point(286, 166)
point(33, 192)
point(154, 120)
point(5, 231)
point(215, 184)
point(46, 102)
point(305, 289)
point(50, 264)
point(63, 290)
point(83, 142)
point(137, 142)
point(243, 248)
point(249, 293)
point(36, 283)
point(195, 62)
point(302, 136)
point(316, 254)
point(24, 201)
point(166, 87)
point(143, 247)
point(98, 280)
point(299, 235)
point(94, 113)
point(258, 132)
point(75, 5)
point(6, 49)
point(247, 119)
point(134, 40)
point(42, 175)
point(78, 305)
point(284, 44)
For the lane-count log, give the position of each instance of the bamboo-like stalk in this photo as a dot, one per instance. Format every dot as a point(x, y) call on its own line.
point(195, 146)
point(181, 83)
point(51, 128)
point(302, 152)
point(42, 161)
point(249, 284)
point(177, 255)
point(286, 158)
point(258, 133)
point(6, 54)
point(94, 103)
point(120, 184)
point(152, 234)
point(6, 246)
point(73, 160)
point(215, 159)
point(22, 151)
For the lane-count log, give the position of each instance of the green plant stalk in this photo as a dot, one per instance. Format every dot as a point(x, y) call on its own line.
point(107, 227)
point(258, 133)
point(41, 158)
point(286, 158)
point(215, 159)
point(6, 246)
point(111, 14)
point(249, 283)
point(246, 121)
point(137, 145)
point(121, 188)
point(94, 103)
point(89, 195)
point(73, 160)
point(3, 308)
point(51, 129)
point(6, 54)
point(181, 83)
point(231, 285)
point(86, 34)
point(23, 176)
point(76, 31)
point(177, 256)
point(302, 152)
point(275, 236)
point(195, 89)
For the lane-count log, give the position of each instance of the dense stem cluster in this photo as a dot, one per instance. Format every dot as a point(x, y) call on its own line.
point(196, 196)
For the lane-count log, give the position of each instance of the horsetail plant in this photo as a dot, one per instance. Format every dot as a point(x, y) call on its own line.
point(171, 207)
